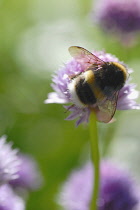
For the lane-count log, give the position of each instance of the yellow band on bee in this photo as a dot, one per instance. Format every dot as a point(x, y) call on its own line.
point(90, 79)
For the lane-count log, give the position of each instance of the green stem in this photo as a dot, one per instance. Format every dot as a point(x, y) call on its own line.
point(95, 160)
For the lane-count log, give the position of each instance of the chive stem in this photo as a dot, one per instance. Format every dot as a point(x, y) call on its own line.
point(95, 157)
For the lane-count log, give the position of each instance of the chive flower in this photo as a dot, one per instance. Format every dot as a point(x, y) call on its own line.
point(9, 161)
point(121, 17)
point(29, 176)
point(18, 172)
point(61, 95)
point(9, 200)
point(117, 189)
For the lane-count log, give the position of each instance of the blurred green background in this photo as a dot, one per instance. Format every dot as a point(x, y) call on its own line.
point(34, 38)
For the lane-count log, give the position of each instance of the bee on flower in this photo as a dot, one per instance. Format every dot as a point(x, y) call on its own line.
point(95, 82)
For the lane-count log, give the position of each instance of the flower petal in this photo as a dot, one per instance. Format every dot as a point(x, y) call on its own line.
point(55, 98)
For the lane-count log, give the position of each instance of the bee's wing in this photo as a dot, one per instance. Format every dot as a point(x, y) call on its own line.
point(107, 108)
point(83, 55)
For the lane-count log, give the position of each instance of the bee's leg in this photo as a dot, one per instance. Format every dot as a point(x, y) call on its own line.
point(72, 76)
point(69, 108)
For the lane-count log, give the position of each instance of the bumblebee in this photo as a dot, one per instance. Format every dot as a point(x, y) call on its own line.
point(97, 87)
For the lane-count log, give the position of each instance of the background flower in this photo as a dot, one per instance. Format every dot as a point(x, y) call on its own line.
point(126, 98)
point(9, 161)
point(117, 190)
point(29, 176)
point(120, 17)
point(16, 171)
point(9, 200)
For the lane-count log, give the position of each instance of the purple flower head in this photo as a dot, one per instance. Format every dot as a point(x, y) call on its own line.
point(119, 16)
point(29, 176)
point(117, 190)
point(61, 95)
point(9, 200)
point(9, 162)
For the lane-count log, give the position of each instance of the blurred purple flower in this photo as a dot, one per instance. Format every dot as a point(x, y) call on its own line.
point(9, 162)
point(61, 80)
point(29, 176)
point(117, 191)
point(9, 200)
point(16, 171)
point(118, 16)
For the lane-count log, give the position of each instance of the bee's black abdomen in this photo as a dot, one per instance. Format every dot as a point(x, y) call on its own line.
point(110, 78)
point(85, 93)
